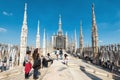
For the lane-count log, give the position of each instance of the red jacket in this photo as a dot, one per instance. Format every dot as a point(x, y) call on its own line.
point(28, 67)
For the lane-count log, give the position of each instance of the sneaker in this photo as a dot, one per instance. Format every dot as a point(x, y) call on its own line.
point(35, 77)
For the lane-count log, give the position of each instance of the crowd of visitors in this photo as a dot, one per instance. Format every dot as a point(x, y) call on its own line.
point(34, 62)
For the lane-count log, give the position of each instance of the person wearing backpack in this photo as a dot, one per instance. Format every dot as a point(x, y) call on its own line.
point(36, 63)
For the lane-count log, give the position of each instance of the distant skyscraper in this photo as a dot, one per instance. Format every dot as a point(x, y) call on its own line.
point(94, 34)
point(44, 43)
point(24, 32)
point(38, 36)
point(81, 39)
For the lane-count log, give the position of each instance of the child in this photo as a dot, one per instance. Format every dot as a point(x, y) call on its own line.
point(66, 59)
point(28, 67)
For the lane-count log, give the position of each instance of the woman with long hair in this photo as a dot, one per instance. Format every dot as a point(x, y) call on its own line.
point(36, 63)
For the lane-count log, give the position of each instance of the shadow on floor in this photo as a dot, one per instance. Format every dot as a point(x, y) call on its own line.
point(116, 77)
point(61, 69)
point(93, 77)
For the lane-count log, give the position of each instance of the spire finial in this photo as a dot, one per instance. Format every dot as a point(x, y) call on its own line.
point(38, 27)
point(81, 28)
point(44, 29)
point(25, 6)
point(25, 14)
point(60, 23)
point(93, 15)
point(92, 5)
point(81, 24)
point(60, 26)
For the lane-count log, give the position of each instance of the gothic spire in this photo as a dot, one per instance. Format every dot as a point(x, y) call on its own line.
point(81, 39)
point(66, 41)
point(94, 34)
point(24, 33)
point(38, 36)
point(75, 40)
point(44, 43)
point(81, 35)
point(94, 26)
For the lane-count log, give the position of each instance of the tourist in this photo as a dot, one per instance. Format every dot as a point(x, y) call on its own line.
point(44, 62)
point(0, 64)
point(2, 67)
point(66, 59)
point(36, 63)
point(49, 58)
point(5, 63)
point(61, 54)
point(27, 64)
point(57, 54)
point(28, 67)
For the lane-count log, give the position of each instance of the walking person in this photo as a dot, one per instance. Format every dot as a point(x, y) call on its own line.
point(66, 59)
point(61, 54)
point(57, 54)
point(36, 64)
point(5, 63)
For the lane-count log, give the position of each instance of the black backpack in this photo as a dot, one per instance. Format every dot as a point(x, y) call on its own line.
point(24, 63)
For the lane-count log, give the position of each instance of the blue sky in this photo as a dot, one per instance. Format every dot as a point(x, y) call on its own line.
point(47, 11)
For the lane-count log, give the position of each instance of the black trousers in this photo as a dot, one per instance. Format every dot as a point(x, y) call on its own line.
point(26, 75)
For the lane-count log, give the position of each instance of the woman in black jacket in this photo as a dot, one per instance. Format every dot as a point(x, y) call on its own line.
point(36, 63)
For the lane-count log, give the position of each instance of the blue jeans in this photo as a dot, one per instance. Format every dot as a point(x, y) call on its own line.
point(61, 56)
point(35, 75)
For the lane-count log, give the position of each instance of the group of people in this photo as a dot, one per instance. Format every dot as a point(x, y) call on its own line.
point(30, 62)
point(108, 64)
point(3, 65)
point(59, 53)
point(35, 62)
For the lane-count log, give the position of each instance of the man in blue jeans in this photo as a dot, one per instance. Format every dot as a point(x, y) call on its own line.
point(61, 54)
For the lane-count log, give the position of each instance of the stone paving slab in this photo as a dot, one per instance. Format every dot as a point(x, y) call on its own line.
point(59, 71)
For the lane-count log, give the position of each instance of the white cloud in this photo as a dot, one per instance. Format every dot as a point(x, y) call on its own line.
point(100, 41)
point(118, 30)
point(3, 29)
point(7, 14)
